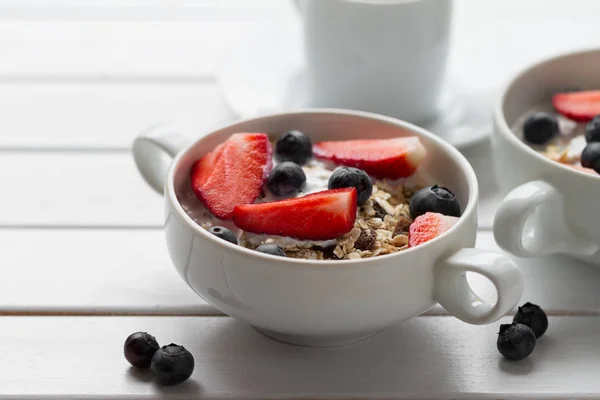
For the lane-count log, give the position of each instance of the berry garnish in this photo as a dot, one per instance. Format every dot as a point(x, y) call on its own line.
point(579, 106)
point(293, 146)
point(233, 173)
point(172, 364)
point(435, 199)
point(139, 348)
point(286, 179)
point(429, 226)
point(592, 130)
point(515, 341)
point(344, 177)
point(532, 316)
point(381, 158)
point(223, 233)
point(318, 216)
point(590, 156)
point(540, 127)
point(271, 248)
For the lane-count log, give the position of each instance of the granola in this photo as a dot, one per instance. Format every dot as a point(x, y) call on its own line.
point(381, 227)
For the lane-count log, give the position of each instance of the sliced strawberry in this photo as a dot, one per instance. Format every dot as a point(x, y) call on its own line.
point(429, 226)
point(578, 106)
point(381, 158)
point(233, 173)
point(318, 216)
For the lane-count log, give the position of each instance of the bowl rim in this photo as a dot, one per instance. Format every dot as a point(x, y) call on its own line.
point(472, 184)
point(504, 129)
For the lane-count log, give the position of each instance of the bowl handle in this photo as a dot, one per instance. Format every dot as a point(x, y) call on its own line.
point(548, 233)
point(153, 150)
point(453, 292)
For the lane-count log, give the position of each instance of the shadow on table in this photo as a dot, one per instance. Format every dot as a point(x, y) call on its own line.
point(140, 375)
point(189, 387)
point(383, 363)
point(145, 376)
point(522, 367)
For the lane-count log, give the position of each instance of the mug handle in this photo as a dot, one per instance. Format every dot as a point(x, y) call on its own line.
point(550, 235)
point(453, 292)
point(153, 151)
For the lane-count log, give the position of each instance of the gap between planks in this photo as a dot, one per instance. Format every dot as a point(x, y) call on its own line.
point(551, 313)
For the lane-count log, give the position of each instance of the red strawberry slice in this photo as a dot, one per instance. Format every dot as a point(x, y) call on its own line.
point(233, 173)
point(381, 158)
point(578, 106)
point(429, 226)
point(318, 216)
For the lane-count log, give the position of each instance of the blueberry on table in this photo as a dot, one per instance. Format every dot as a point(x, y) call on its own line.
point(540, 127)
point(139, 348)
point(532, 316)
point(286, 179)
point(344, 177)
point(435, 199)
point(223, 233)
point(273, 249)
point(293, 146)
point(590, 156)
point(515, 341)
point(592, 130)
point(172, 364)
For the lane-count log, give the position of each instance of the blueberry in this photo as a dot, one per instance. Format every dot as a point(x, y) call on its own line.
point(540, 127)
point(592, 130)
point(286, 179)
point(172, 364)
point(344, 177)
point(515, 341)
point(273, 249)
point(532, 316)
point(139, 348)
point(590, 156)
point(435, 199)
point(293, 146)
point(223, 233)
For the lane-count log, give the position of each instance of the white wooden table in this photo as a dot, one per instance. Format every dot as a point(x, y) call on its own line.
point(81, 248)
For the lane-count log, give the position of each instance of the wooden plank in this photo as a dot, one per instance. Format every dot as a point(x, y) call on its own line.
point(76, 189)
point(104, 271)
point(424, 358)
point(92, 272)
point(133, 9)
point(103, 113)
point(116, 48)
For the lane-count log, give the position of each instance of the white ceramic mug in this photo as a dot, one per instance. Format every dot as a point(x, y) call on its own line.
point(328, 302)
point(383, 56)
point(551, 208)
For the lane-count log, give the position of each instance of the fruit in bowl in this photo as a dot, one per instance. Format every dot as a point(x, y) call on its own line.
point(569, 133)
point(341, 199)
point(317, 250)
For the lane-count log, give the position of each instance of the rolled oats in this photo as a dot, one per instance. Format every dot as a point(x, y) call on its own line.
point(381, 227)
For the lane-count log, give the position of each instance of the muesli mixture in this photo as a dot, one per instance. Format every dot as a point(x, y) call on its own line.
point(568, 131)
point(335, 200)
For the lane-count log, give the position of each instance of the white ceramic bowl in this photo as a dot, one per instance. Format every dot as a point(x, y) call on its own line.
point(551, 208)
point(329, 302)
